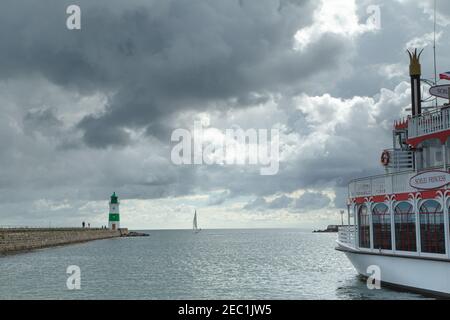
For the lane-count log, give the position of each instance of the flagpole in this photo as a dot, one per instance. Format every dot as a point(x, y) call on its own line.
point(434, 49)
point(434, 43)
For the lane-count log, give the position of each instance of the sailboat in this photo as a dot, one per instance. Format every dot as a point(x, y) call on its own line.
point(194, 223)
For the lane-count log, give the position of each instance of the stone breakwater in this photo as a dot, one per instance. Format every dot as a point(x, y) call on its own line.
point(25, 239)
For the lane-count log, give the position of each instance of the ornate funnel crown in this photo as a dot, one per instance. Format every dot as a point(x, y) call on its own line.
point(414, 66)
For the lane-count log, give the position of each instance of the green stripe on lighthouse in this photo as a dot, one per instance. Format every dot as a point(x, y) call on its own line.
point(114, 217)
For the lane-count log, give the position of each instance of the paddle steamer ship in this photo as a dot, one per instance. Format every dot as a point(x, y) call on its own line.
point(399, 221)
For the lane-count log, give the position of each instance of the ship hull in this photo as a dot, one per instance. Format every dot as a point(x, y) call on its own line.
point(413, 273)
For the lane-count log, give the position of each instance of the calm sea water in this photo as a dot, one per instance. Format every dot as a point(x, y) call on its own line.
point(214, 264)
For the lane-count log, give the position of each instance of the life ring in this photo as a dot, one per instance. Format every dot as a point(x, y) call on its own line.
point(385, 158)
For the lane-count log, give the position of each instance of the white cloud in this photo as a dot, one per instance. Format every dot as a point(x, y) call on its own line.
point(391, 71)
point(336, 17)
point(423, 41)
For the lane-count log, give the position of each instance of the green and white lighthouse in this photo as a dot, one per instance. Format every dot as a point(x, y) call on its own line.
point(114, 217)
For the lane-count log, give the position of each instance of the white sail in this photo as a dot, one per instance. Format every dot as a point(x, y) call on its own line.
point(195, 227)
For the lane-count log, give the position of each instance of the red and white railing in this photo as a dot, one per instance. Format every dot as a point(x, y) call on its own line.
point(429, 123)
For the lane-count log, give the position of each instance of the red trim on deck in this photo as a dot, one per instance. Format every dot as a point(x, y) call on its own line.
point(379, 198)
point(442, 136)
point(402, 197)
point(426, 195)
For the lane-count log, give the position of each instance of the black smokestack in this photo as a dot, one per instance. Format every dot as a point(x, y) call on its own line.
point(415, 71)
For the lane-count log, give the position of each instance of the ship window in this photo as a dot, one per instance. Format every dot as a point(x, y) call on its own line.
point(381, 227)
point(364, 227)
point(405, 227)
point(431, 153)
point(432, 234)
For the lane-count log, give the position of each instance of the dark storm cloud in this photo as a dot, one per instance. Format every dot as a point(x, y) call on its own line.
point(281, 202)
point(43, 121)
point(102, 136)
point(305, 203)
point(260, 204)
point(311, 201)
point(156, 58)
point(257, 204)
point(218, 199)
point(230, 59)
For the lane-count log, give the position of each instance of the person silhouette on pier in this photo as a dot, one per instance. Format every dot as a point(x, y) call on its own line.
point(83, 224)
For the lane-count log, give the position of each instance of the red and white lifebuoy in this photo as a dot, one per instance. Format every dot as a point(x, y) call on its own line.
point(385, 158)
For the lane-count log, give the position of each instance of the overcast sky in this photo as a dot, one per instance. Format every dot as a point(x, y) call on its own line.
point(91, 111)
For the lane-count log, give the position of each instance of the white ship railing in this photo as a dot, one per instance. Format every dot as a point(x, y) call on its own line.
point(429, 123)
point(401, 160)
point(346, 235)
point(381, 185)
